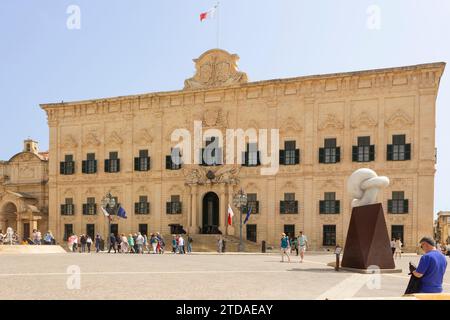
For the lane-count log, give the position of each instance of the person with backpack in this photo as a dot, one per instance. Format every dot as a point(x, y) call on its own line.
point(285, 247)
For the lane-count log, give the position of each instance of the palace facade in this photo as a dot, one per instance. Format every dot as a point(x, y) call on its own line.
point(328, 126)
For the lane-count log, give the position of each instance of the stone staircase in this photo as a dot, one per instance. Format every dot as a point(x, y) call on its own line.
point(29, 249)
point(208, 243)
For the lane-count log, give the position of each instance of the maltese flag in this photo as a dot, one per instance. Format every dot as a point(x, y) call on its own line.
point(209, 14)
point(230, 215)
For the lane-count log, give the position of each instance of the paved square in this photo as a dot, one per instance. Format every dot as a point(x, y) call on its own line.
point(197, 276)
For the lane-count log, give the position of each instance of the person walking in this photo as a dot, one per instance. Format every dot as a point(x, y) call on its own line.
point(161, 243)
point(124, 244)
point(140, 243)
point(89, 243)
point(398, 248)
point(112, 243)
point(75, 243)
point(83, 242)
point(181, 244)
point(294, 245)
point(154, 241)
point(98, 240)
point(285, 247)
point(145, 248)
point(219, 244)
point(70, 243)
point(302, 245)
point(431, 268)
point(131, 244)
point(393, 246)
point(189, 243)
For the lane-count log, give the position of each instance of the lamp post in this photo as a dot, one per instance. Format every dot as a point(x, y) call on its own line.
point(110, 206)
point(240, 201)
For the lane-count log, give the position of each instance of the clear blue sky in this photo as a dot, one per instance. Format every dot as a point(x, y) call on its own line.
point(139, 46)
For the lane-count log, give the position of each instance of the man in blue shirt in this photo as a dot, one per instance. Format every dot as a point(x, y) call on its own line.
point(431, 267)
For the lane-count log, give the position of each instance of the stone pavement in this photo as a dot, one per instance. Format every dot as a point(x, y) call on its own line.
point(197, 276)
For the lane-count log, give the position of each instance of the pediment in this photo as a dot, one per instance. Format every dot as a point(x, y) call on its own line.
point(331, 121)
point(399, 119)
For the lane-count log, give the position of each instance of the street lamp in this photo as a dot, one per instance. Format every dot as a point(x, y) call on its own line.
point(110, 206)
point(240, 201)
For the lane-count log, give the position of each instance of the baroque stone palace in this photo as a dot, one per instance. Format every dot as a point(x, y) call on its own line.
point(329, 125)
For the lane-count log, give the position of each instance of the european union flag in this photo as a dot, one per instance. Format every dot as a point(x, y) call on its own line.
point(122, 213)
point(248, 215)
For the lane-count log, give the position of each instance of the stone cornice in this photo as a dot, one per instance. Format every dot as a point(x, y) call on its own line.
point(424, 77)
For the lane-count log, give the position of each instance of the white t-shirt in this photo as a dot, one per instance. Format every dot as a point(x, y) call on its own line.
point(181, 241)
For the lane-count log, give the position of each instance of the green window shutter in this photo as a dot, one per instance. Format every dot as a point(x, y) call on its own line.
point(321, 155)
point(338, 154)
point(84, 209)
point(107, 167)
point(390, 152)
point(147, 208)
point(282, 157)
point(137, 164)
point(63, 209)
point(321, 206)
point(168, 162)
point(148, 163)
point(136, 207)
point(95, 166)
point(282, 207)
point(83, 167)
point(62, 168)
point(297, 156)
point(337, 206)
point(118, 165)
point(372, 153)
point(168, 207)
point(389, 206)
point(408, 151)
point(406, 206)
point(355, 153)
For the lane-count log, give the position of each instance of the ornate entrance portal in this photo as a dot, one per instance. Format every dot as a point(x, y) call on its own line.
point(211, 213)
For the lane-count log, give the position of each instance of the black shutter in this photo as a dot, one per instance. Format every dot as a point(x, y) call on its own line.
point(63, 209)
point(408, 151)
point(62, 168)
point(282, 157)
point(95, 208)
point(338, 154)
point(389, 206)
point(118, 165)
point(147, 207)
point(295, 206)
point(337, 206)
point(107, 162)
point(148, 164)
point(83, 167)
point(168, 207)
point(282, 207)
point(390, 152)
point(372, 153)
point(321, 155)
point(179, 207)
point(258, 158)
point(168, 162)
point(95, 166)
point(256, 207)
point(321, 206)
point(355, 153)
point(84, 208)
point(137, 166)
point(406, 206)
point(136, 207)
point(297, 156)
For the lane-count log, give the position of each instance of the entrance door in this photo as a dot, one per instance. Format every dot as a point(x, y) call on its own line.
point(115, 229)
point(26, 230)
point(210, 214)
point(251, 232)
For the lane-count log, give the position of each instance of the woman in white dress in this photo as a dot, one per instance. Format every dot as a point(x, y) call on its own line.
point(124, 244)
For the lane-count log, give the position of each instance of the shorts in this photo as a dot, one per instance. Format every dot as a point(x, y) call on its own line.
point(302, 249)
point(286, 251)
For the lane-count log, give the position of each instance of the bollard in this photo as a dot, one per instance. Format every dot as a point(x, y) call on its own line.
point(337, 252)
point(263, 246)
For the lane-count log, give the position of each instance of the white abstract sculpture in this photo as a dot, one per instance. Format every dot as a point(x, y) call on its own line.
point(363, 186)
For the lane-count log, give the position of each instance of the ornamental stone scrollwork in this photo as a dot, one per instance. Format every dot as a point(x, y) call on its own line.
point(215, 118)
point(363, 120)
point(144, 136)
point(399, 119)
point(290, 126)
point(331, 122)
point(114, 139)
point(202, 176)
point(215, 68)
point(91, 139)
point(26, 172)
point(69, 142)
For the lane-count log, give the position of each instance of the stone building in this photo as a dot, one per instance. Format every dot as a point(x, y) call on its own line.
point(329, 125)
point(24, 191)
point(443, 227)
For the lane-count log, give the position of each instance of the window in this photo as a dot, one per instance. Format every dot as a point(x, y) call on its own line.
point(289, 205)
point(90, 207)
point(330, 153)
point(67, 167)
point(143, 229)
point(112, 165)
point(252, 202)
point(290, 155)
point(90, 165)
point(329, 235)
point(212, 154)
point(143, 206)
point(397, 232)
point(399, 150)
point(363, 152)
point(90, 230)
point(68, 231)
point(289, 230)
point(398, 203)
point(142, 163)
point(28, 147)
point(68, 209)
point(251, 156)
point(252, 232)
point(173, 162)
point(174, 206)
point(330, 205)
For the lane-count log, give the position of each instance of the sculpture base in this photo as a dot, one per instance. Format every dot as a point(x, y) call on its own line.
point(368, 246)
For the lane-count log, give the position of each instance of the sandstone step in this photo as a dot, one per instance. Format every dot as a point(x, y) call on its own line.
point(29, 249)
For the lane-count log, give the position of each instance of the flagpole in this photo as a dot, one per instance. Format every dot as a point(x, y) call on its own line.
point(218, 24)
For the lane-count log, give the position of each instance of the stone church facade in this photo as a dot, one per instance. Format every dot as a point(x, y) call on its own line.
point(328, 126)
